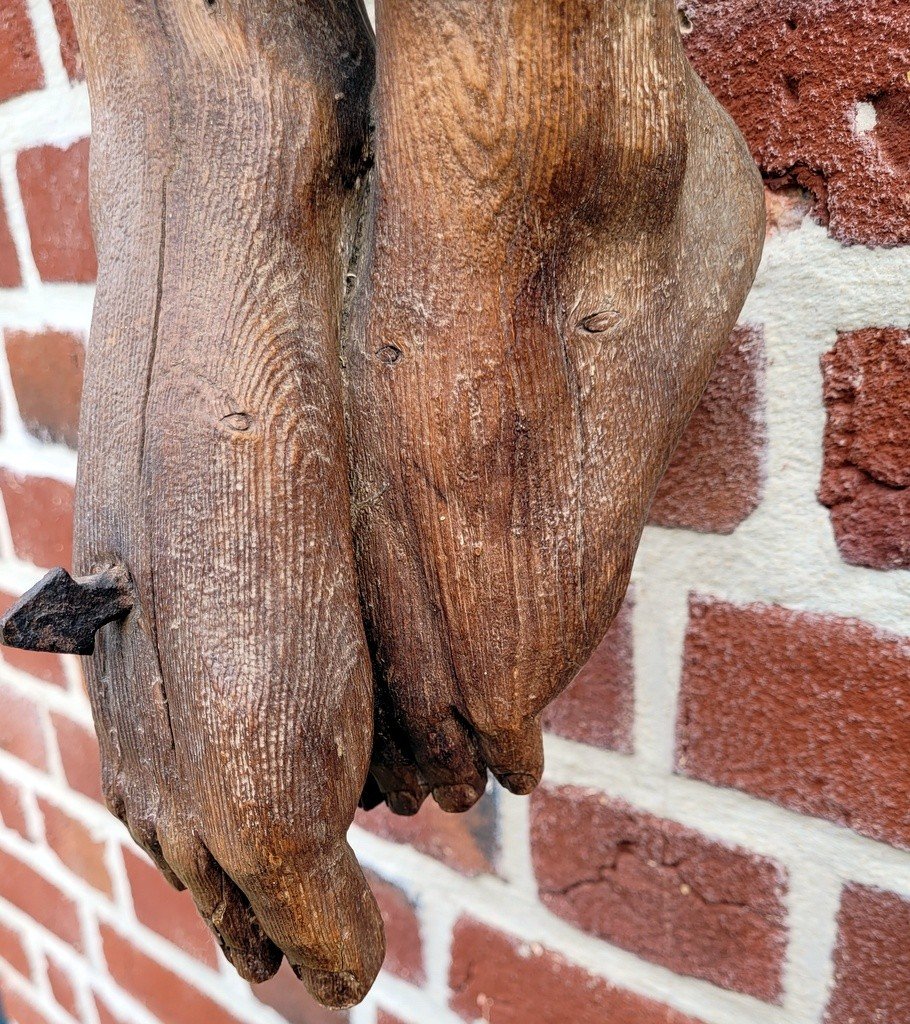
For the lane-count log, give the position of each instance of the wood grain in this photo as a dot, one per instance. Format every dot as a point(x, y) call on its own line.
point(517, 310)
point(563, 227)
point(234, 704)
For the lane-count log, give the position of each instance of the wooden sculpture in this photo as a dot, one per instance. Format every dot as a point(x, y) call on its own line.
point(563, 228)
point(517, 308)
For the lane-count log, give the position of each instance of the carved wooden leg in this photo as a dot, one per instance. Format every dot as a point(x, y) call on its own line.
point(564, 227)
point(234, 702)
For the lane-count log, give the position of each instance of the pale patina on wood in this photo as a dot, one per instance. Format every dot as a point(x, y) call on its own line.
point(392, 343)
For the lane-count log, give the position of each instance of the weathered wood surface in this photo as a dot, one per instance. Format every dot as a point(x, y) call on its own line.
point(563, 228)
point(519, 308)
point(234, 703)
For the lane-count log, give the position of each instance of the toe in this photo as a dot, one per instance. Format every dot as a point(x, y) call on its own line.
point(223, 907)
point(143, 827)
point(393, 767)
point(515, 757)
point(314, 904)
point(450, 762)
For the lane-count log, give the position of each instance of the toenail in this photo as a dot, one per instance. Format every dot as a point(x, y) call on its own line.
point(456, 798)
point(520, 783)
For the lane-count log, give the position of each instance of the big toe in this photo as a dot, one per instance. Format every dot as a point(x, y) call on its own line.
point(515, 756)
point(223, 907)
point(316, 906)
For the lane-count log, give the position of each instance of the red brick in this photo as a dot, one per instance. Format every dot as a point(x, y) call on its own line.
point(660, 890)
point(597, 706)
point(40, 514)
point(48, 667)
point(716, 475)
point(872, 959)
point(21, 1011)
point(162, 993)
point(499, 980)
point(76, 847)
point(62, 987)
point(79, 754)
point(39, 899)
point(168, 912)
point(819, 731)
point(46, 370)
point(800, 70)
point(69, 45)
point(404, 946)
point(10, 276)
point(20, 67)
point(21, 732)
point(12, 950)
point(286, 994)
point(866, 475)
point(466, 842)
point(12, 813)
point(54, 187)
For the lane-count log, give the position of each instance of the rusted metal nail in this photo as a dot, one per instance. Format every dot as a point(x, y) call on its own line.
point(62, 615)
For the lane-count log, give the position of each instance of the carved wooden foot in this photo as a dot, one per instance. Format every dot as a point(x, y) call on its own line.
point(234, 701)
point(560, 234)
point(564, 227)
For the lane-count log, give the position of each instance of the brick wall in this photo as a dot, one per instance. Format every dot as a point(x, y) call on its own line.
point(723, 835)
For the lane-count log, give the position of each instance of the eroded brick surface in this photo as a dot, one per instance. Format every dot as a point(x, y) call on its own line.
point(597, 706)
point(467, 842)
point(716, 475)
point(79, 753)
point(54, 187)
point(76, 847)
point(866, 475)
point(872, 959)
point(12, 950)
point(12, 811)
point(800, 709)
point(20, 68)
point(161, 991)
point(40, 514)
point(10, 275)
point(62, 988)
point(384, 1017)
point(46, 370)
point(500, 980)
point(660, 890)
point(105, 1014)
point(21, 1011)
point(69, 45)
point(21, 729)
point(794, 76)
point(404, 946)
point(170, 913)
point(39, 899)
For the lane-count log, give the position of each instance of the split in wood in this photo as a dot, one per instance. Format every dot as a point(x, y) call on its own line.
point(527, 294)
point(62, 615)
